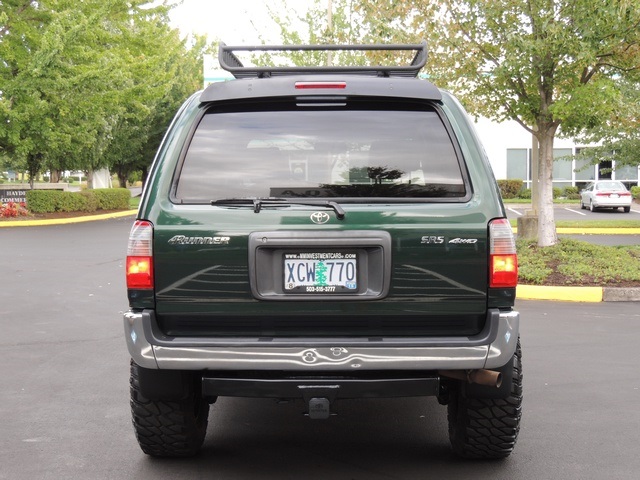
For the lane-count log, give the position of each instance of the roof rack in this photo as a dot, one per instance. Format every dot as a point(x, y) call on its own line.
point(230, 62)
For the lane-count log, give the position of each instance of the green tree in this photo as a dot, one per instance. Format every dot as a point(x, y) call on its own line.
point(553, 66)
point(80, 81)
point(547, 64)
point(619, 136)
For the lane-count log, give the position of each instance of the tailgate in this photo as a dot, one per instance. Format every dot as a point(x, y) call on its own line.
point(396, 270)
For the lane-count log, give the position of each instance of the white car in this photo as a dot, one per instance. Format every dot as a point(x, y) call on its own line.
point(606, 194)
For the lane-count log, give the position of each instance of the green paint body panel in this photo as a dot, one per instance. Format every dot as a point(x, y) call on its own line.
point(438, 285)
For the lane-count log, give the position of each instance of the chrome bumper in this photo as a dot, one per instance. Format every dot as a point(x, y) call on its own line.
point(491, 348)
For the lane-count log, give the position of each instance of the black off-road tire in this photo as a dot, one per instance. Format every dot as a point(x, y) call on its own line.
point(487, 428)
point(168, 428)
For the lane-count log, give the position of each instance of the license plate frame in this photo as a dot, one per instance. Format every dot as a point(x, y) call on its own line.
point(320, 273)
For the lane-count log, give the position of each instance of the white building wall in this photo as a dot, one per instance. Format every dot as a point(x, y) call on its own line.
point(498, 137)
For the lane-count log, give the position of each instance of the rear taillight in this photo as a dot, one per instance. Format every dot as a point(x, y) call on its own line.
point(503, 260)
point(140, 256)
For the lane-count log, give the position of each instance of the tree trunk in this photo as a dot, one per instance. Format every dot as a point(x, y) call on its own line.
point(89, 179)
point(55, 176)
point(546, 219)
point(122, 179)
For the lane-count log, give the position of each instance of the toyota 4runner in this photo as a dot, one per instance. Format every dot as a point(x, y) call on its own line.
point(322, 233)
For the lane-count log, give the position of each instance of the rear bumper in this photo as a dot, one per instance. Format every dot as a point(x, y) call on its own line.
point(613, 202)
point(491, 348)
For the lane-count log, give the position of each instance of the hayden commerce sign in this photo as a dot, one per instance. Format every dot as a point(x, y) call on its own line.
point(13, 195)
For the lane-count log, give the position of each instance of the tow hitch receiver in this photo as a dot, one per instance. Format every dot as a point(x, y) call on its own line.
point(318, 399)
point(319, 393)
point(319, 408)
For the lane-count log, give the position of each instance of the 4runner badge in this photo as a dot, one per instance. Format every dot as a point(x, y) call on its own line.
point(319, 217)
point(184, 240)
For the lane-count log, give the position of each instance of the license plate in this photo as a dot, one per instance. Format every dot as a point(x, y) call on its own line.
point(614, 195)
point(320, 272)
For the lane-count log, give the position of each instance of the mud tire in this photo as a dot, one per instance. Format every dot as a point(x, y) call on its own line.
point(168, 428)
point(487, 428)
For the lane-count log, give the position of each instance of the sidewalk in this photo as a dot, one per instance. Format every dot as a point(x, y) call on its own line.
point(523, 292)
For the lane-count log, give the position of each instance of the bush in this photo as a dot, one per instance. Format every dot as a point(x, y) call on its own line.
point(12, 209)
point(635, 191)
point(42, 201)
point(91, 203)
point(134, 177)
point(49, 201)
point(525, 193)
point(572, 193)
point(557, 192)
point(510, 188)
point(112, 198)
point(69, 202)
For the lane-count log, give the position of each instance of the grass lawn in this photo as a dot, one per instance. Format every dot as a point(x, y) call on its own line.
point(577, 263)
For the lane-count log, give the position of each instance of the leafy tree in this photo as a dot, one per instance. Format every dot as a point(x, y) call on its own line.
point(619, 137)
point(89, 84)
point(553, 66)
point(547, 64)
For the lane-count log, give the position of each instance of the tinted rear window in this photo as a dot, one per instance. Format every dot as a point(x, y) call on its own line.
point(320, 153)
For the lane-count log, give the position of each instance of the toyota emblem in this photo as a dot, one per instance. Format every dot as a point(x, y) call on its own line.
point(319, 217)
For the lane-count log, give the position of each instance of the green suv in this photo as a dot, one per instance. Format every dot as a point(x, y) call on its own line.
point(320, 233)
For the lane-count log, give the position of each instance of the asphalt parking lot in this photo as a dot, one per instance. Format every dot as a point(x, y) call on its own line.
point(64, 399)
point(575, 213)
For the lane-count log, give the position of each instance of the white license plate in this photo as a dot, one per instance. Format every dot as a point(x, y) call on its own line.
point(614, 195)
point(320, 272)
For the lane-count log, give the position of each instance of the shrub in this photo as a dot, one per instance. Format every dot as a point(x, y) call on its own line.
point(557, 192)
point(42, 201)
point(91, 203)
point(525, 193)
point(572, 193)
point(69, 202)
point(635, 191)
point(134, 177)
point(112, 198)
point(49, 201)
point(510, 188)
point(12, 209)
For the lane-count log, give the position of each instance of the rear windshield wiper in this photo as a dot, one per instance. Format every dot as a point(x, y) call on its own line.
point(258, 203)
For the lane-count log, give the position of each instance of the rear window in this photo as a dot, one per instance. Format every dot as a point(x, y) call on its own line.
point(312, 153)
point(612, 186)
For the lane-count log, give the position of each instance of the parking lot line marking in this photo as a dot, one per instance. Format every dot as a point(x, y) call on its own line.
point(515, 211)
point(634, 210)
point(575, 211)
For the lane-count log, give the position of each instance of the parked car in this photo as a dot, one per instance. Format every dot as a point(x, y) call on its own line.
point(322, 233)
point(606, 194)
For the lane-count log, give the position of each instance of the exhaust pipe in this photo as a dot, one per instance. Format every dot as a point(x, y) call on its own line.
point(480, 376)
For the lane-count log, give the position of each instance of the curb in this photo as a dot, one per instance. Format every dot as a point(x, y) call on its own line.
point(65, 221)
point(578, 294)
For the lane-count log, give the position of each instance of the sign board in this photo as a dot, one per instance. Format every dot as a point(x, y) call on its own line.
point(13, 195)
